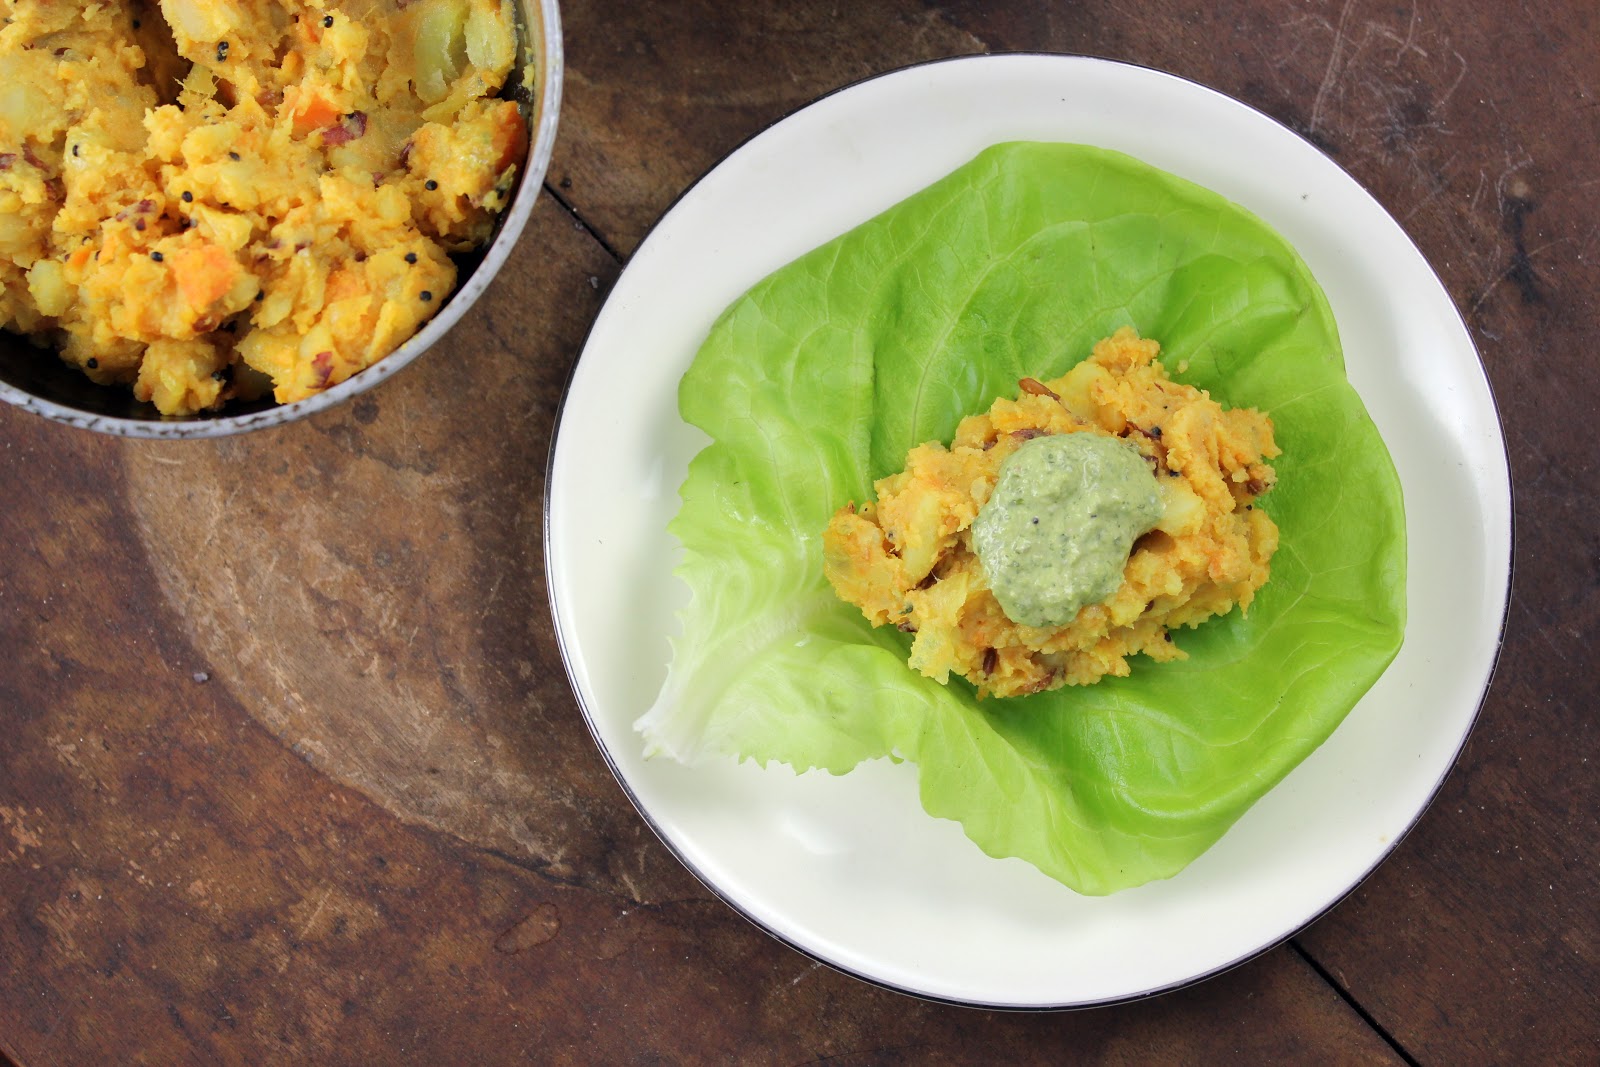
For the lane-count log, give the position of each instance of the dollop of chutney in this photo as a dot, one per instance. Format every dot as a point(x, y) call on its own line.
point(1056, 532)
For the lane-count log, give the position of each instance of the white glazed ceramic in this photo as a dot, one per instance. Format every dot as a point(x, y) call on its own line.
point(849, 869)
point(37, 381)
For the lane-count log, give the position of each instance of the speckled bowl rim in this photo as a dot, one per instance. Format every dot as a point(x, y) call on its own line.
point(548, 49)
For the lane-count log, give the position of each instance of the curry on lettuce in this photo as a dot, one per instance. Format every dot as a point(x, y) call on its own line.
point(818, 381)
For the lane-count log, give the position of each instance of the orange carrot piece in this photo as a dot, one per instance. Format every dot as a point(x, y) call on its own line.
point(314, 113)
point(204, 274)
point(510, 136)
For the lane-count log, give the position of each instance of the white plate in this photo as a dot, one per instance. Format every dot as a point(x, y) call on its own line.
point(850, 869)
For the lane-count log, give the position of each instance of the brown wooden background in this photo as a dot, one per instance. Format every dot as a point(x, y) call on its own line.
point(289, 769)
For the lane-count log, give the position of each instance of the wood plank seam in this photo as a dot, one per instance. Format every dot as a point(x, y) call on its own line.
point(577, 216)
point(1355, 1005)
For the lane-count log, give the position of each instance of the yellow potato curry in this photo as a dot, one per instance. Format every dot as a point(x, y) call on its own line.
point(909, 559)
point(209, 199)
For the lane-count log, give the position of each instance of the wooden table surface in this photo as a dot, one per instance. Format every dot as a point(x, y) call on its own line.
point(291, 771)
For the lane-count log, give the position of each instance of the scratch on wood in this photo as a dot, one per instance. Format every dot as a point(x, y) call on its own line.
point(1331, 74)
point(540, 927)
point(1477, 192)
point(1410, 42)
point(803, 975)
point(630, 885)
point(1461, 76)
point(1588, 242)
point(322, 902)
point(218, 514)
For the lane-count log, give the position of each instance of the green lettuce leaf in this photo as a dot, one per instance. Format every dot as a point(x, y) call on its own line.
point(822, 377)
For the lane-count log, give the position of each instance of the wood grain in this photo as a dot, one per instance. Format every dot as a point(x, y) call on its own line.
point(1480, 942)
point(230, 840)
point(291, 770)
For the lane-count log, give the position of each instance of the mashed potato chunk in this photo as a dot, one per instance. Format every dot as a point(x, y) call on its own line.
point(907, 559)
point(205, 199)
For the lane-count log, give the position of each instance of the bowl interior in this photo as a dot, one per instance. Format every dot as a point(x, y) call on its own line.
point(31, 375)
